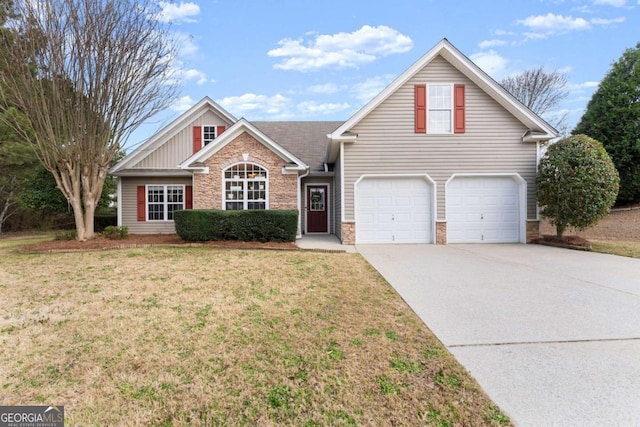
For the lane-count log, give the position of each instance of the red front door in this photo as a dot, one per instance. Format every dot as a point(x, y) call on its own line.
point(317, 218)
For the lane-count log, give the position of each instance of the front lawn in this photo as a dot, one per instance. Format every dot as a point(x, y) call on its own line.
point(202, 336)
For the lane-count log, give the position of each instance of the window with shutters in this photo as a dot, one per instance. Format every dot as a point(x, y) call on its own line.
point(163, 201)
point(440, 108)
point(245, 187)
point(208, 134)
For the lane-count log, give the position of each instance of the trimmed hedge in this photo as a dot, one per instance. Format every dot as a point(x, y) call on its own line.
point(247, 226)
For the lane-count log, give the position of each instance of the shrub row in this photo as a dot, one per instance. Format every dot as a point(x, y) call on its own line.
point(247, 226)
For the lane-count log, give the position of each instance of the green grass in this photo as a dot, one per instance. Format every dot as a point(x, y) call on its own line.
point(202, 336)
point(628, 249)
point(14, 241)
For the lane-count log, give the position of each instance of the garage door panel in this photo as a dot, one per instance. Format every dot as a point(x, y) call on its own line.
point(393, 210)
point(483, 209)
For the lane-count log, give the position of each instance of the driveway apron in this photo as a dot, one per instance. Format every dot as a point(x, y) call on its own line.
point(552, 335)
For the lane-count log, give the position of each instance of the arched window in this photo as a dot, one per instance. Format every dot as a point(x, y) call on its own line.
point(245, 187)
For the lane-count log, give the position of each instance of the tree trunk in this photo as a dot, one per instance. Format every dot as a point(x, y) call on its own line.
point(560, 229)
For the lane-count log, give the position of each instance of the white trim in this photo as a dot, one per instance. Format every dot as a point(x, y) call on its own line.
point(172, 129)
point(232, 133)
point(165, 203)
point(522, 195)
point(299, 201)
point(342, 217)
point(451, 108)
point(326, 203)
point(450, 53)
point(246, 188)
point(119, 202)
point(426, 177)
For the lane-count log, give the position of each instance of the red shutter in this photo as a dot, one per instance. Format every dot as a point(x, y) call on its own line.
point(188, 197)
point(197, 138)
point(142, 203)
point(458, 114)
point(420, 99)
point(220, 129)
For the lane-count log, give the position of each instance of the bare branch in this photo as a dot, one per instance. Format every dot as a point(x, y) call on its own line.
point(86, 73)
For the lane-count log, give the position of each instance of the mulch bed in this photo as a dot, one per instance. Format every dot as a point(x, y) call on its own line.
point(570, 242)
point(145, 240)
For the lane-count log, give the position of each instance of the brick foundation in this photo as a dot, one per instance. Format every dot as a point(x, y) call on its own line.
point(349, 233)
point(441, 232)
point(533, 230)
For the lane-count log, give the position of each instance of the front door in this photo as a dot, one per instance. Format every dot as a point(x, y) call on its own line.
point(317, 218)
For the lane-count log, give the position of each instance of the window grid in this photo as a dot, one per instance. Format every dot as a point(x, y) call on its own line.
point(440, 109)
point(163, 201)
point(245, 187)
point(208, 134)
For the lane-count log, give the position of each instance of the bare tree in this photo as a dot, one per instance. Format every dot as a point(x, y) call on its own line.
point(542, 92)
point(94, 71)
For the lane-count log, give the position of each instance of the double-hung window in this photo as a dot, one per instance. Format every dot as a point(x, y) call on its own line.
point(440, 108)
point(245, 187)
point(208, 134)
point(163, 201)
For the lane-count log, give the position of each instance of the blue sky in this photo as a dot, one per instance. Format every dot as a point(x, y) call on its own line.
point(323, 60)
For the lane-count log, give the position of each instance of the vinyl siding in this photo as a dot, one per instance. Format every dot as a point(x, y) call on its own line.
point(179, 147)
point(337, 197)
point(387, 143)
point(129, 205)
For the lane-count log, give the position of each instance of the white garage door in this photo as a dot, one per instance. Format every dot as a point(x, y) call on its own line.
point(483, 210)
point(393, 210)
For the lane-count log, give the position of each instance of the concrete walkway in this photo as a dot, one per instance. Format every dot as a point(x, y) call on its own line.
point(325, 242)
point(552, 335)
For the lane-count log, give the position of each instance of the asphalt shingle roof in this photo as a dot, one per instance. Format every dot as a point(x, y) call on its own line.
point(305, 140)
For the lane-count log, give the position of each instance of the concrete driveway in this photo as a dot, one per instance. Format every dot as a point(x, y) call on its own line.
point(552, 335)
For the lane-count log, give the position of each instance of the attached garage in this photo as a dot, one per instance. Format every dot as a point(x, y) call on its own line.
point(394, 209)
point(485, 209)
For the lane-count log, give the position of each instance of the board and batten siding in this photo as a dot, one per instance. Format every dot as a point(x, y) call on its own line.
point(179, 146)
point(129, 204)
point(387, 143)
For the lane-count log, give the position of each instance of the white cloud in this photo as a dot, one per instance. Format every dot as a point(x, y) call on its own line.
point(551, 23)
point(341, 50)
point(314, 108)
point(369, 88)
point(485, 44)
point(182, 104)
point(327, 88)
point(491, 63)
point(186, 44)
point(193, 74)
point(257, 105)
point(544, 26)
point(614, 3)
point(176, 13)
point(601, 21)
point(581, 87)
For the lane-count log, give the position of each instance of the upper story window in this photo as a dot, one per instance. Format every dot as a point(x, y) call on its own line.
point(208, 134)
point(245, 187)
point(163, 200)
point(440, 109)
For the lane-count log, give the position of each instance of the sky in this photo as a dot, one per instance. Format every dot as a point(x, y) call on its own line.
point(325, 59)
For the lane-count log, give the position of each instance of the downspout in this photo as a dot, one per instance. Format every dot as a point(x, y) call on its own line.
point(300, 197)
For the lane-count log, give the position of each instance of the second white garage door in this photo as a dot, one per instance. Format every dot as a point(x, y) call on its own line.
point(393, 210)
point(483, 209)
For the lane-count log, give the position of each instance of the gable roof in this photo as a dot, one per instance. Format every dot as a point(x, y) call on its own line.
point(195, 162)
point(184, 120)
point(307, 139)
point(537, 126)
